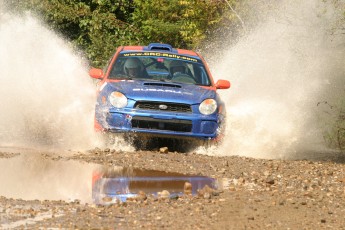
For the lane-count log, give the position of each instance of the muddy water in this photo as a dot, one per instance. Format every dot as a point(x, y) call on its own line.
point(30, 176)
point(117, 184)
point(42, 175)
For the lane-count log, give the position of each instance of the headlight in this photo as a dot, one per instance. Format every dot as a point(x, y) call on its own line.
point(117, 99)
point(208, 106)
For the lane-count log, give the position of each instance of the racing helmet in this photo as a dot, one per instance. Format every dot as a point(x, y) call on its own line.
point(132, 63)
point(177, 64)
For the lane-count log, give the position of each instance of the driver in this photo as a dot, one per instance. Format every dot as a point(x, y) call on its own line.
point(133, 68)
point(177, 66)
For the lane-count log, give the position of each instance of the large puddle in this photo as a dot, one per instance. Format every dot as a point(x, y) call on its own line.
point(112, 185)
point(30, 175)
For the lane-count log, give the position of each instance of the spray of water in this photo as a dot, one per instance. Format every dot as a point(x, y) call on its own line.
point(279, 72)
point(47, 102)
point(46, 95)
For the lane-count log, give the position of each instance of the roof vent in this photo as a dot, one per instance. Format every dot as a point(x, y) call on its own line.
point(159, 46)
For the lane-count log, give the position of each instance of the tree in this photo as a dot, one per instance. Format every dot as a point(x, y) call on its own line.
point(96, 27)
point(180, 23)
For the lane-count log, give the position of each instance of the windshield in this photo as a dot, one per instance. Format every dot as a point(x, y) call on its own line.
point(159, 67)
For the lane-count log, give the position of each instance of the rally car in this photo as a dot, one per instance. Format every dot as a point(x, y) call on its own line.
point(159, 91)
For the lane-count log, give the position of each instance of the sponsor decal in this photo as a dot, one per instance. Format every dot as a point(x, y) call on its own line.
point(157, 54)
point(162, 90)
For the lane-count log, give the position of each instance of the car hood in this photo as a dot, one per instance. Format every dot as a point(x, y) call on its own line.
point(161, 91)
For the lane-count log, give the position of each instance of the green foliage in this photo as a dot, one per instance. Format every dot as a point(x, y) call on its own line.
point(96, 27)
point(181, 23)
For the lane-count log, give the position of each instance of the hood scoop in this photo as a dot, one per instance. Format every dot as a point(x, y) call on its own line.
point(161, 84)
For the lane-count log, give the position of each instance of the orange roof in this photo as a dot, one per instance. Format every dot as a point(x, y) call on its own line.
point(179, 51)
point(133, 48)
point(187, 52)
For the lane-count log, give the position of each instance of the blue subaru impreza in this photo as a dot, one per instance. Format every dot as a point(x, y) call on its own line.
point(159, 91)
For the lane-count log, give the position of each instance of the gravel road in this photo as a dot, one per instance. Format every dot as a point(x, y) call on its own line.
point(254, 194)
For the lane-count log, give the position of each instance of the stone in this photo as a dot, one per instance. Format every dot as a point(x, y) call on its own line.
point(205, 192)
point(164, 150)
point(187, 189)
point(207, 195)
point(141, 196)
point(241, 180)
point(107, 199)
point(232, 188)
point(164, 194)
point(270, 181)
point(342, 180)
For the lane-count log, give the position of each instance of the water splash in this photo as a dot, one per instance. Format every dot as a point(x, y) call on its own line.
point(279, 72)
point(46, 95)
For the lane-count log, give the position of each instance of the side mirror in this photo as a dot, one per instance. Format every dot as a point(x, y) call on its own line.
point(223, 84)
point(96, 73)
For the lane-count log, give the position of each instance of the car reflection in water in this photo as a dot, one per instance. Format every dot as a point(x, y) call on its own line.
point(111, 185)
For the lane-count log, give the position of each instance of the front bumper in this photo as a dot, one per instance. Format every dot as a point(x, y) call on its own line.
point(160, 123)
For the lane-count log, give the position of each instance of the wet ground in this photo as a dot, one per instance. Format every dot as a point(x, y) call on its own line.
point(106, 188)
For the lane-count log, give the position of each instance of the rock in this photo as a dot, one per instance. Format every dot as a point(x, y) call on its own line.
point(222, 170)
point(164, 194)
point(207, 195)
point(241, 181)
point(205, 192)
point(232, 188)
point(215, 193)
point(107, 199)
point(141, 196)
point(174, 197)
point(164, 150)
point(270, 181)
point(342, 180)
point(187, 189)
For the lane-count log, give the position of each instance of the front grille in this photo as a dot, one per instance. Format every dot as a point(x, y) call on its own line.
point(160, 124)
point(161, 106)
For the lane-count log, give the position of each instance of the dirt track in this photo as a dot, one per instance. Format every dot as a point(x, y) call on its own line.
point(258, 194)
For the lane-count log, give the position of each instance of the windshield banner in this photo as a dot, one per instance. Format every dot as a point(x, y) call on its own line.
point(157, 54)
